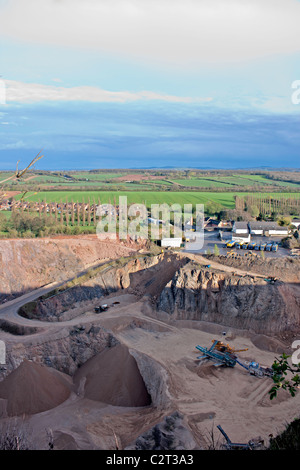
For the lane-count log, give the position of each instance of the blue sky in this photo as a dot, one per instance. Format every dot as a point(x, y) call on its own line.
point(140, 83)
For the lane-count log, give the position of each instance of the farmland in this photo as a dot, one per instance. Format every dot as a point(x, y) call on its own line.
point(158, 180)
point(138, 197)
point(217, 188)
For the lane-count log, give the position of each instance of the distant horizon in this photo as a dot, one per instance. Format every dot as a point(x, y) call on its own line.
point(288, 169)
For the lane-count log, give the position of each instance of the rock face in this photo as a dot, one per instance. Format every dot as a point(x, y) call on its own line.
point(112, 277)
point(232, 300)
point(155, 378)
point(28, 264)
point(286, 269)
point(64, 350)
point(170, 434)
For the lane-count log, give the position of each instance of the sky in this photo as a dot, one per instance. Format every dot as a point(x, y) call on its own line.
point(150, 83)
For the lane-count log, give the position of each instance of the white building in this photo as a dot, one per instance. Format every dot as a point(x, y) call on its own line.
point(241, 237)
point(240, 227)
point(267, 229)
point(171, 242)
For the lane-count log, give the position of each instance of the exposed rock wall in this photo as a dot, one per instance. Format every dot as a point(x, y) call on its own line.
point(29, 264)
point(107, 280)
point(64, 350)
point(232, 300)
point(286, 268)
point(170, 434)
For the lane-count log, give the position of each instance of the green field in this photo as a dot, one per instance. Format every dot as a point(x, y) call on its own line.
point(198, 181)
point(202, 182)
point(138, 197)
point(149, 197)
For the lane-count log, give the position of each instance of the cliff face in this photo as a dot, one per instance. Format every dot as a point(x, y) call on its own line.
point(29, 264)
point(286, 268)
point(232, 300)
point(60, 306)
point(64, 350)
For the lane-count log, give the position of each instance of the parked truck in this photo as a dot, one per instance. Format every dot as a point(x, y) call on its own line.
point(101, 308)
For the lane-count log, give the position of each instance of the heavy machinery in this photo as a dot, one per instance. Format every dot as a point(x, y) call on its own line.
point(250, 445)
point(271, 279)
point(101, 308)
point(230, 244)
point(222, 358)
point(220, 346)
point(251, 246)
point(224, 355)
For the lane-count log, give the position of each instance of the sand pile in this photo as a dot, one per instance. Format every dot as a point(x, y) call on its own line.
point(33, 388)
point(113, 377)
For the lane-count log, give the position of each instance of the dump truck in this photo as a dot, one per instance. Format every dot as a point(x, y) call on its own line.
point(101, 308)
point(269, 246)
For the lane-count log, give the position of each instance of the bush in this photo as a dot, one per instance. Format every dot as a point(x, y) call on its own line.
point(28, 234)
point(289, 439)
point(13, 233)
point(14, 436)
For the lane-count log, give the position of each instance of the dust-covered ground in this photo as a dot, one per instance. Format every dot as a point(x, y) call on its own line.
point(146, 370)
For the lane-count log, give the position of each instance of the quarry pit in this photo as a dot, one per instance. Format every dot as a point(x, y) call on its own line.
point(118, 378)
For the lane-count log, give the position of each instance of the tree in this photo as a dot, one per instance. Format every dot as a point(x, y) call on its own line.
point(281, 367)
point(216, 250)
point(284, 221)
point(18, 174)
point(254, 211)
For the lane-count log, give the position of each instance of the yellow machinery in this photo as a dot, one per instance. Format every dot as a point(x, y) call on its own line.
point(220, 346)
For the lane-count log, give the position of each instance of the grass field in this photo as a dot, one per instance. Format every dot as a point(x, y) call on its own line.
point(138, 197)
point(166, 180)
point(149, 197)
point(204, 182)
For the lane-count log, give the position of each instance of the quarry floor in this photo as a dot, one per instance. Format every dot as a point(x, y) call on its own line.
point(205, 395)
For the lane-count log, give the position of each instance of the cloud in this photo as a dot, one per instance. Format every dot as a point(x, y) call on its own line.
point(175, 32)
point(21, 92)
